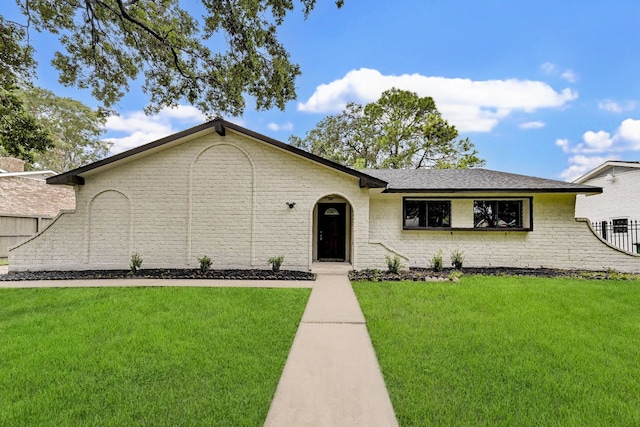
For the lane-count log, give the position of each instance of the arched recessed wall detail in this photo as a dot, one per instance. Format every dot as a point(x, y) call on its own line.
point(109, 229)
point(221, 207)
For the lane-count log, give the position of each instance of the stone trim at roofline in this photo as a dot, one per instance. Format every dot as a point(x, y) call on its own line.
point(74, 177)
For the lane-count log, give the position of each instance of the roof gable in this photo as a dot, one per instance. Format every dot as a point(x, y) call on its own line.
point(604, 168)
point(220, 126)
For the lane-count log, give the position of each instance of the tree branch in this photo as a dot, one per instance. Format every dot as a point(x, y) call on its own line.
point(156, 35)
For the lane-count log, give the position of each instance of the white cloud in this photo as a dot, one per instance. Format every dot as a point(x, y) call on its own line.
point(472, 106)
point(564, 144)
point(532, 125)
point(596, 142)
point(630, 132)
point(579, 165)
point(552, 69)
point(616, 107)
point(140, 128)
point(569, 76)
point(549, 68)
point(597, 147)
point(278, 127)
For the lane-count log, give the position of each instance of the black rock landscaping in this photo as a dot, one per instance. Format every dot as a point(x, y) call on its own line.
point(427, 274)
point(160, 274)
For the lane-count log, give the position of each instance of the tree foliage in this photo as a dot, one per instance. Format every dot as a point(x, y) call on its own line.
point(20, 132)
point(74, 128)
point(399, 131)
point(211, 63)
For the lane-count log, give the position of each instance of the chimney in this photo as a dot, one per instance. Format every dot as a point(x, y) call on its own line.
point(10, 164)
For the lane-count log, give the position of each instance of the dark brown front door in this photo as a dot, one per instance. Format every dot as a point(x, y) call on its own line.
point(331, 231)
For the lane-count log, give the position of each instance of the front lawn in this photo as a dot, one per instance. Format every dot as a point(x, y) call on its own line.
point(143, 356)
point(508, 350)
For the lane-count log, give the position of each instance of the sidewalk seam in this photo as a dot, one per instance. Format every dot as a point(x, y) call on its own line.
point(335, 323)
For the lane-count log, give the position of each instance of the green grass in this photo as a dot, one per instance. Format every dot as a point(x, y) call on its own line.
point(502, 351)
point(143, 356)
point(4, 261)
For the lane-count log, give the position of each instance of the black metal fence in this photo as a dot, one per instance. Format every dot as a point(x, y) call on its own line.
point(623, 233)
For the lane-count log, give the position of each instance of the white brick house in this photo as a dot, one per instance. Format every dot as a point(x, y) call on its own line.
point(615, 213)
point(240, 197)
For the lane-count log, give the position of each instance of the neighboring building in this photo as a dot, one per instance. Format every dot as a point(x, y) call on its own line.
point(614, 214)
point(27, 203)
point(240, 197)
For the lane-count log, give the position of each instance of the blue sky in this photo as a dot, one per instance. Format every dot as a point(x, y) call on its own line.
point(544, 88)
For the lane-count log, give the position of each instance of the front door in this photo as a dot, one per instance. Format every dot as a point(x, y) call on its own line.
point(331, 231)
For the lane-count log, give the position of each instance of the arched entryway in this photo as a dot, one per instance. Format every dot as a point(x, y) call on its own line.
point(332, 224)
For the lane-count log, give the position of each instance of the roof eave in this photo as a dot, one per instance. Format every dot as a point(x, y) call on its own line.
point(65, 179)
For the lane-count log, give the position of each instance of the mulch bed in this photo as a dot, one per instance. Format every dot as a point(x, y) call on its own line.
point(427, 274)
point(160, 274)
point(414, 274)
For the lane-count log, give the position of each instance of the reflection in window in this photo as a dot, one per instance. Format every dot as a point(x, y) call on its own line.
point(332, 212)
point(497, 213)
point(427, 213)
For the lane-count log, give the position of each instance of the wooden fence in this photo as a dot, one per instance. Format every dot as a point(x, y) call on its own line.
point(16, 228)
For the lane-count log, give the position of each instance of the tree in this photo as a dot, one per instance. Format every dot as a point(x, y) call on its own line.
point(74, 128)
point(107, 44)
point(110, 43)
point(20, 132)
point(401, 130)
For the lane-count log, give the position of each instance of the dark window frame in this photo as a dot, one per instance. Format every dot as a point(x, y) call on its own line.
point(425, 200)
point(522, 227)
point(527, 199)
point(497, 206)
point(620, 225)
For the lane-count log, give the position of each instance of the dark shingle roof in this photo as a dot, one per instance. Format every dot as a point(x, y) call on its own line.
point(471, 180)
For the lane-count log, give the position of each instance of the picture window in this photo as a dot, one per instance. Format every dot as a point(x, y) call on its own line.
point(427, 213)
point(497, 214)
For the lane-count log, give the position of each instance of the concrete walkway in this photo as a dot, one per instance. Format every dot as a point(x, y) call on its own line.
point(332, 376)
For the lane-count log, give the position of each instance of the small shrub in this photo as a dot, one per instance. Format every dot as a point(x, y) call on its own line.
point(276, 262)
point(394, 264)
point(205, 263)
point(136, 262)
point(436, 261)
point(455, 275)
point(457, 258)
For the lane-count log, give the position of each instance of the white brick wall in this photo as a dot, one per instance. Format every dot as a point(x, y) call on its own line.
point(218, 196)
point(225, 197)
point(557, 240)
point(620, 198)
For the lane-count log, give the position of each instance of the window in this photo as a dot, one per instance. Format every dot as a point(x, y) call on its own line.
point(421, 213)
point(497, 214)
point(620, 225)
